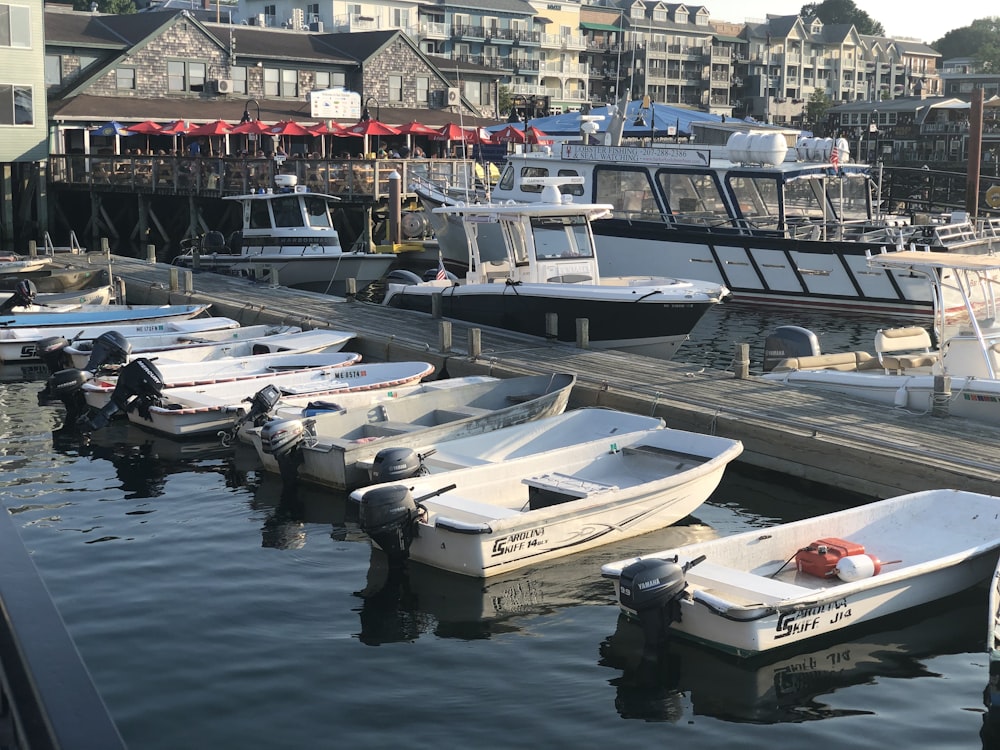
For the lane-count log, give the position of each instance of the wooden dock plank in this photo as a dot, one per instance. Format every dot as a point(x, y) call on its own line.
point(853, 445)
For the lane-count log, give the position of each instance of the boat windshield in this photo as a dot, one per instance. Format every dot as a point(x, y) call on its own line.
point(849, 197)
point(561, 237)
point(316, 212)
point(694, 198)
point(628, 190)
point(287, 212)
point(758, 198)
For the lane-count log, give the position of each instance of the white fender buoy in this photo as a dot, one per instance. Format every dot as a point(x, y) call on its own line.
point(857, 567)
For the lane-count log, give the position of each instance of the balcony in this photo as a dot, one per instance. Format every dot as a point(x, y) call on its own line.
point(561, 68)
point(430, 30)
point(500, 36)
point(474, 33)
point(355, 22)
point(527, 89)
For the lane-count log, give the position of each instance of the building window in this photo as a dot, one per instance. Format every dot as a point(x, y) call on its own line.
point(185, 76)
point(400, 18)
point(312, 11)
point(338, 80)
point(272, 81)
point(15, 26)
point(16, 105)
point(270, 14)
point(289, 84)
point(125, 78)
point(176, 76)
point(423, 84)
point(321, 80)
point(239, 77)
point(395, 88)
point(53, 70)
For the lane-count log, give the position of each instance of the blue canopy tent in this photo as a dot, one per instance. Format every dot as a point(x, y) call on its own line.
point(665, 117)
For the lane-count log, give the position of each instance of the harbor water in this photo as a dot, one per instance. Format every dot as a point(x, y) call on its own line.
point(216, 610)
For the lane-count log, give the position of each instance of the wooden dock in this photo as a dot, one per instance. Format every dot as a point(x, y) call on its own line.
point(852, 445)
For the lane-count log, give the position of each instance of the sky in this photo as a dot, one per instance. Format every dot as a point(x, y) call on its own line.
point(924, 21)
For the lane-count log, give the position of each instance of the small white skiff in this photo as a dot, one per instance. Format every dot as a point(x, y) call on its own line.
point(332, 448)
point(781, 585)
point(490, 519)
point(201, 409)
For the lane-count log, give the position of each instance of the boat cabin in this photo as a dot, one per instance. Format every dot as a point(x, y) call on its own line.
point(550, 241)
point(290, 215)
point(717, 189)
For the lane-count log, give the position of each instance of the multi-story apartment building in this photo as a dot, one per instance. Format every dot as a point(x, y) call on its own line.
point(23, 116)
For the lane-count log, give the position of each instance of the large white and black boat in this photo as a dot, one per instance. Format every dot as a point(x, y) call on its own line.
point(774, 224)
point(529, 260)
point(288, 234)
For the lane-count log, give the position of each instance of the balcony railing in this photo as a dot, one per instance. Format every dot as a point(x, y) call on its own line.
point(430, 30)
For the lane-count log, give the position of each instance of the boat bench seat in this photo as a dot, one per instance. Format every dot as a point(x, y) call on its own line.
point(722, 580)
point(564, 484)
point(841, 361)
point(465, 515)
point(458, 412)
point(389, 428)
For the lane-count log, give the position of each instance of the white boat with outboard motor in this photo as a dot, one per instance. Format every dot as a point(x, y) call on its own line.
point(492, 518)
point(141, 394)
point(214, 345)
point(336, 448)
point(781, 585)
point(955, 371)
point(22, 343)
point(775, 222)
point(92, 315)
point(539, 261)
point(288, 235)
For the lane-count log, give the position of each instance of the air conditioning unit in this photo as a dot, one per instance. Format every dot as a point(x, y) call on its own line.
point(224, 86)
point(453, 97)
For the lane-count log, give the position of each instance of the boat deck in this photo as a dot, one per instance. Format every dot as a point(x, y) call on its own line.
point(851, 445)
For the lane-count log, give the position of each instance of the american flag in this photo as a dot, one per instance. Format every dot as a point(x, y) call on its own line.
point(835, 156)
point(441, 274)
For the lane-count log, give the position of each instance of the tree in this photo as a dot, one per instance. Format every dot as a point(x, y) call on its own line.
point(843, 11)
point(816, 109)
point(504, 100)
point(977, 40)
point(119, 7)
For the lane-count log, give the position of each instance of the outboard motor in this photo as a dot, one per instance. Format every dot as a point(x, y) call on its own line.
point(66, 386)
point(789, 341)
point(109, 349)
point(23, 296)
point(388, 515)
point(397, 464)
point(283, 438)
point(653, 589)
point(139, 387)
point(52, 351)
point(261, 404)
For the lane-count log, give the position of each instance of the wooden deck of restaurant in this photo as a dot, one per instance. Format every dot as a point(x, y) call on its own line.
point(850, 445)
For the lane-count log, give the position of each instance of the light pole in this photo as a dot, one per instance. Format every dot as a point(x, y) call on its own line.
point(246, 111)
point(872, 128)
point(366, 116)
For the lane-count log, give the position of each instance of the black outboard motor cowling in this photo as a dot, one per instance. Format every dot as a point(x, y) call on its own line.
point(139, 387)
point(652, 588)
point(789, 341)
point(109, 349)
point(388, 515)
point(66, 386)
point(52, 351)
point(396, 464)
point(23, 296)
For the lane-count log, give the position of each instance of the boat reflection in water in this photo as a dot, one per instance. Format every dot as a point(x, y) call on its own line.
point(400, 603)
point(664, 684)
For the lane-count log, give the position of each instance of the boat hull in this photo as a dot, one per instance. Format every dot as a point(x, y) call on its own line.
point(343, 463)
point(747, 599)
point(326, 274)
point(631, 323)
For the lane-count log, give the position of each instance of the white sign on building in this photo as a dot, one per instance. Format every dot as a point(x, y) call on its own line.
point(335, 104)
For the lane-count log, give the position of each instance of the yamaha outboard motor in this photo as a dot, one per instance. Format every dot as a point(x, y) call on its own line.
point(397, 464)
point(109, 349)
point(789, 341)
point(261, 404)
point(23, 296)
point(283, 438)
point(139, 387)
point(388, 515)
point(52, 351)
point(653, 589)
